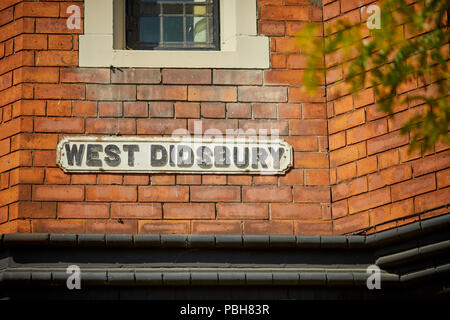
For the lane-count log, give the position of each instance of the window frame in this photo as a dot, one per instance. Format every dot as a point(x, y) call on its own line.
point(134, 44)
point(103, 42)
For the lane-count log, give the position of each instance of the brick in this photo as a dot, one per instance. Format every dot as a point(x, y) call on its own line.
point(14, 160)
point(213, 110)
point(136, 179)
point(346, 121)
point(339, 208)
point(351, 4)
point(84, 178)
point(164, 193)
point(366, 165)
point(296, 61)
point(20, 59)
point(295, 211)
point(36, 9)
point(27, 175)
point(83, 210)
point(303, 143)
point(188, 179)
point(58, 193)
point(158, 126)
point(292, 177)
point(66, 125)
point(262, 94)
point(83, 75)
point(15, 93)
point(28, 108)
point(110, 92)
point(351, 223)
point(312, 194)
point(189, 211)
point(239, 110)
point(278, 61)
point(156, 92)
point(266, 194)
point(59, 108)
point(215, 193)
point(345, 172)
point(212, 126)
point(36, 74)
point(210, 93)
point(386, 142)
point(273, 127)
point(388, 159)
point(54, 25)
point(161, 109)
point(56, 176)
point(85, 108)
point(285, 13)
point(162, 179)
point(367, 131)
point(413, 187)
point(138, 76)
point(6, 16)
point(104, 178)
point(432, 200)
point(32, 210)
point(264, 227)
point(186, 76)
point(111, 226)
point(271, 28)
point(369, 200)
point(111, 193)
point(15, 28)
point(300, 95)
point(59, 91)
point(443, 178)
point(310, 160)
point(164, 227)
point(214, 179)
point(264, 110)
point(56, 58)
point(111, 126)
point(60, 42)
point(349, 189)
point(14, 194)
point(30, 42)
point(391, 212)
point(110, 109)
point(44, 158)
point(216, 227)
point(283, 77)
point(239, 179)
point(34, 141)
point(308, 127)
point(289, 111)
point(187, 110)
point(431, 163)
point(242, 211)
point(337, 140)
point(136, 210)
point(5, 147)
point(363, 98)
point(314, 111)
point(347, 154)
point(58, 226)
point(135, 109)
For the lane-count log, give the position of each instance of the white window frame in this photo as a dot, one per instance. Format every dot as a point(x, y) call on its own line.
point(102, 44)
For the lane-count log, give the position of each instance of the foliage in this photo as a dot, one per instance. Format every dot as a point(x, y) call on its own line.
point(412, 44)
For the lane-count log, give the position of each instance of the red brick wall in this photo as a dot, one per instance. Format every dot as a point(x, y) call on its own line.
point(375, 183)
point(44, 96)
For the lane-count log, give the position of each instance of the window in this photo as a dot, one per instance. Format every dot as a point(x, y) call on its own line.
point(231, 42)
point(172, 24)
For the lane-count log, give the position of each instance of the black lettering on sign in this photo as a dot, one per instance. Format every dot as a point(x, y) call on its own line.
point(222, 156)
point(172, 156)
point(276, 155)
point(131, 149)
point(156, 150)
point(241, 163)
point(76, 153)
point(259, 155)
point(92, 157)
point(113, 159)
point(185, 156)
point(204, 155)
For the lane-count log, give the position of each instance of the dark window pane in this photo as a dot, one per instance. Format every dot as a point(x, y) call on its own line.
point(172, 9)
point(195, 9)
point(149, 29)
point(173, 29)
